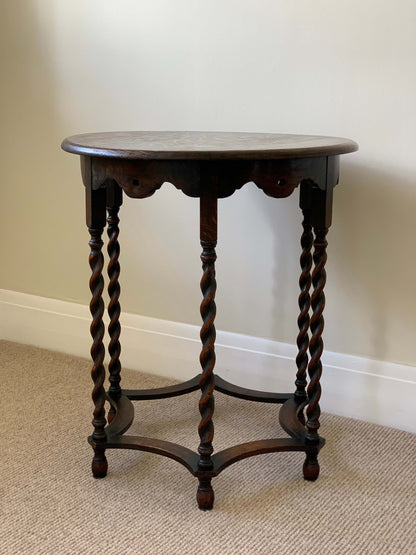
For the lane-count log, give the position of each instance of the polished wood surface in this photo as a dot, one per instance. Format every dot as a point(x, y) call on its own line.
point(221, 178)
point(208, 166)
point(208, 238)
point(196, 145)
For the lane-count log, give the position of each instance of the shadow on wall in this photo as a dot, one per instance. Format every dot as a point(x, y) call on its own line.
point(373, 239)
point(285, 221)
point(370, 303)
point(371, 306)
point(257, 262)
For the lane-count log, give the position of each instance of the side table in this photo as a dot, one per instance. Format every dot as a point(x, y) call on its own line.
point(208, 166)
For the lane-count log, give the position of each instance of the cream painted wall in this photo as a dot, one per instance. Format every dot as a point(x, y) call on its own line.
point(343, 68)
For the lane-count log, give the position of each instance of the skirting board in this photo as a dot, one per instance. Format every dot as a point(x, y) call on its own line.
point(375, 391)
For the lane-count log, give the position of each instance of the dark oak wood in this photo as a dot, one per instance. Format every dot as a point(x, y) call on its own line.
point(291, 418)
point(99, 463)
point(305, 280)
point(317, 327)
point(209, 166)
point(208, 237)
point(183, 455)
point(141, 178)
point(197, 145)
point(193, 384)
point(163, 392)
point(231, 455)
point(288, 417)
point(233, 390)
point(114, 201)
point(123, 416)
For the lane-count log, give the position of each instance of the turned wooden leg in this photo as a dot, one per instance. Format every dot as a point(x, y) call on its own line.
point(311, 465)
point(313, 411)
point(95, 204)
point(96, 260)
point(114, 200)
point(205, 493)
point(304, 306)
point(319, 199)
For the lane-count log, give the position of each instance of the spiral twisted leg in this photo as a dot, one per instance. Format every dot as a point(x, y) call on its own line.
point(304, 305)
point(207, 357)
point(205, 493)
point(311, 467)
point(96, 261)
point(114, 310)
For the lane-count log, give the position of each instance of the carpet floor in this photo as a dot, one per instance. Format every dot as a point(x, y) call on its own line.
point(363, 503)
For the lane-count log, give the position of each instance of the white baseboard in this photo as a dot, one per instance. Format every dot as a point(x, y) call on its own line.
point(375, 391)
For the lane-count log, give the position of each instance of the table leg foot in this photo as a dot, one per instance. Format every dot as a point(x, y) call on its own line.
point(99, 464)
point(205, 494)
point(311, 467)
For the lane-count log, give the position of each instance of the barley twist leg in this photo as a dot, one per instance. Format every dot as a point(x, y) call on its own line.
point(205, 493)
point(96, 261)
point(304, 305)
point(311, 466)
point(114, 310)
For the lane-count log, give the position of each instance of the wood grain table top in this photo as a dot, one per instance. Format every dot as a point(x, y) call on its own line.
point(196, 145)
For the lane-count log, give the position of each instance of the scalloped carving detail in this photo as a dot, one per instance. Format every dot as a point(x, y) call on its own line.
point(277, 188)
point(141, 178)
point(140, 189)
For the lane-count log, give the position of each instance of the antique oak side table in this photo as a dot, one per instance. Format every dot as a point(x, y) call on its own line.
point(208, 166)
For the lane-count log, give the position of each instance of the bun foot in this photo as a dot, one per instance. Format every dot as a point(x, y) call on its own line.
point(205, 495)
point(99, 465)
point(311, 467)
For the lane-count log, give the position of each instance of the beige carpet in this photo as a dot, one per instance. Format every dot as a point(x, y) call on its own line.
point(363, 502)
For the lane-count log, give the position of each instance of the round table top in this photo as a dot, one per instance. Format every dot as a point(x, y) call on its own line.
point(195, 145)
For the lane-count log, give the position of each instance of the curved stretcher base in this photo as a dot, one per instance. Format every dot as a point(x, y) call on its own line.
point(290, 418)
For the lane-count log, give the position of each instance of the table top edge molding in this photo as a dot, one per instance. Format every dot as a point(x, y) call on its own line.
point(171, 145)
